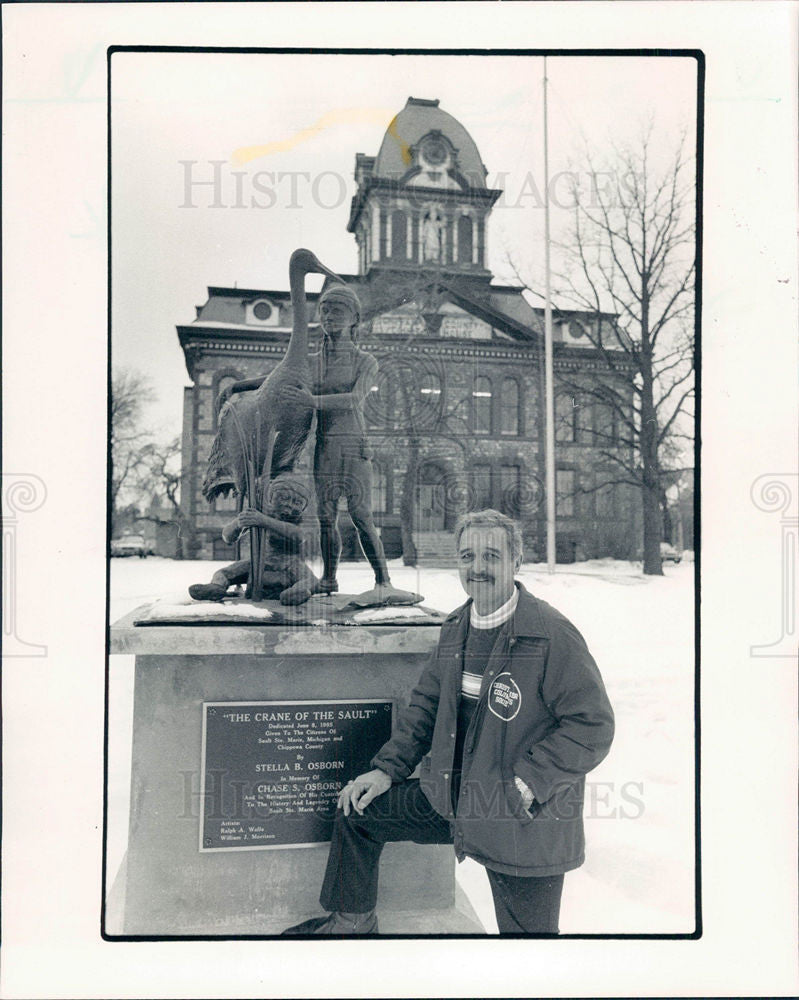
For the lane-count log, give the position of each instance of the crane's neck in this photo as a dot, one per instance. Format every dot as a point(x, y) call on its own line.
point(297, 353)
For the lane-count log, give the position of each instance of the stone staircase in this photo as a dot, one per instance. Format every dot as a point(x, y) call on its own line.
point(435, 548)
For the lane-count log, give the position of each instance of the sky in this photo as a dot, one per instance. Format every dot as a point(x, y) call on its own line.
point(284, 130)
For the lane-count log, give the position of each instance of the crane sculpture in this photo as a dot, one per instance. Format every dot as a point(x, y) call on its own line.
point(262, 429)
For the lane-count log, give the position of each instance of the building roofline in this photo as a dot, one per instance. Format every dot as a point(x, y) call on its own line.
point(222, 291)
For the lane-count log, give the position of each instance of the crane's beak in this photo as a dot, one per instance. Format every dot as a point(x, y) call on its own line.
point(309, 263)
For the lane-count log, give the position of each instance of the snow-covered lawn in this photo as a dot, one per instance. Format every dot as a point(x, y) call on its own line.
point(639, 874)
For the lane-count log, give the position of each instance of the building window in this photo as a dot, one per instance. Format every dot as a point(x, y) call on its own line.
point(262, 311)
point(565, 484)
point(399, 236)
point(374, 240)
point(509, 485)
point(510, 406)
point(465, 238)
point(429, 398)
point(481, 405)
point(226, 505)
point(481, 487)
point(395, 403)
point(379, 489)
point(565, 418)
point(221, 551)
point(374, 408)
point(583, 426)
point(606, 431)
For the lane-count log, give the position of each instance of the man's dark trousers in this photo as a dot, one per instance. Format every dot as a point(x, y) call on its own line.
point(523, 905)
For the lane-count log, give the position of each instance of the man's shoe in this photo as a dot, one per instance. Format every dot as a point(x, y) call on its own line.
point(337, 923)
point(207, 591)
point(327, 586)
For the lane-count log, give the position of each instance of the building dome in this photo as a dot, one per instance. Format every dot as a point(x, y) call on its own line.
point(444, 138)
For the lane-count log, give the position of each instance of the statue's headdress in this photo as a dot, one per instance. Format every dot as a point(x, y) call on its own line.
point(344, 294)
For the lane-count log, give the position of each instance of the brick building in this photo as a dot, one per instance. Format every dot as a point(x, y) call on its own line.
point(456, 415)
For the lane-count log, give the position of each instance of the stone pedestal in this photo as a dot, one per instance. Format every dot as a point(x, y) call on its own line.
point(167, 886)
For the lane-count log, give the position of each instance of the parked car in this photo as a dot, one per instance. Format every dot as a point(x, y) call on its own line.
point(669, 554)
point(129, 545)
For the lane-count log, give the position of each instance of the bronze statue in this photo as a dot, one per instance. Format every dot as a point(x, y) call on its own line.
point(264, 423)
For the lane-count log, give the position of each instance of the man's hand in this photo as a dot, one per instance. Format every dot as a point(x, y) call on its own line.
point(359, 793)
point(526, 793)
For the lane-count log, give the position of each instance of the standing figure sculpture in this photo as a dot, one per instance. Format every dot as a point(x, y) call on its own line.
point(343, 376)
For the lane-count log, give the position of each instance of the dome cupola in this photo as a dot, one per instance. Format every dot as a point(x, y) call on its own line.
point(422, 202)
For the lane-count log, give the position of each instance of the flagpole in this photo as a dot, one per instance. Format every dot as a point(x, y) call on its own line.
point(548, 365)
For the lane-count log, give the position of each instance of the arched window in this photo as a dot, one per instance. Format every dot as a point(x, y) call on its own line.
point(399, 236)
point(429, 403)
point(379, 489)
point(510, 406)
point(565, 418)
point(465, 240)
point(481, 405)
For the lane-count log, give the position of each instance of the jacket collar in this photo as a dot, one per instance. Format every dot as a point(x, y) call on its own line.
point(526, 620)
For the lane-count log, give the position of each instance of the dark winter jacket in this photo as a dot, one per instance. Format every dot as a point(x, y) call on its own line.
point(543, 715)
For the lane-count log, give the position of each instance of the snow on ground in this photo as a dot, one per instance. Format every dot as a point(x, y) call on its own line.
point(639, 872)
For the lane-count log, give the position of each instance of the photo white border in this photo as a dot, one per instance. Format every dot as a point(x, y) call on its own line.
point(55, 340)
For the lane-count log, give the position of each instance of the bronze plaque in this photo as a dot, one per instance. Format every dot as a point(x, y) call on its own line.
point(272, 770)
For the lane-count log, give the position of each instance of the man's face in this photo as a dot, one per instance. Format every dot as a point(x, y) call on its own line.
point(336, 315)
point(486, 567)
point(287, 504)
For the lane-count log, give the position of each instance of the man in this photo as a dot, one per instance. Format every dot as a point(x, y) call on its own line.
point(285, 574)
point(507, 720)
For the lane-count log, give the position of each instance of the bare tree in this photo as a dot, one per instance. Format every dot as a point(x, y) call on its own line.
point(131, 392)
point(143, 468)
point(629, 263)
point(162, 481)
